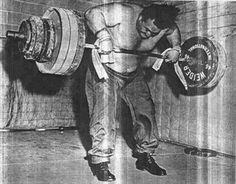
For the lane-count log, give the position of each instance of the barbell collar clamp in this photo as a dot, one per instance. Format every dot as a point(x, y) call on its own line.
point(15, 35)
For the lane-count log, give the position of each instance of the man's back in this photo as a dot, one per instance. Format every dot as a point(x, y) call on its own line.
point(120, 19)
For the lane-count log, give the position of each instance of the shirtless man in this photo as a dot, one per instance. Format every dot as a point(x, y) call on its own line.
point(132, 27)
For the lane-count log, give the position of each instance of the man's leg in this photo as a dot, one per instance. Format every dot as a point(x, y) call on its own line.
point(138, 98)
point(101, 96)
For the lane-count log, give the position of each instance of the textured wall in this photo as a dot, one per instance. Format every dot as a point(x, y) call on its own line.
point(30, 99)
point(203, 118)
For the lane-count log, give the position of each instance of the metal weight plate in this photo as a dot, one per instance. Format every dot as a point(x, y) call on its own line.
point(69, 31)
point(25, 29)
point(65, 40)
point(29, 51)
point(202, 61)
point(50, 42)
point(73, 39)
point(45, 41)
point(51, 66)
point(37, 38)
point(58, 15)
point(222, 65)
point(78, 29)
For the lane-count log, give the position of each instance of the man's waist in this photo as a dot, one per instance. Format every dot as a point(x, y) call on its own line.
point(123, 74)
point(122, 68)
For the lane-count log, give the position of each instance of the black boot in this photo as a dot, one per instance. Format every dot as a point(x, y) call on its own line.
point(145, 161)
point(102, 172)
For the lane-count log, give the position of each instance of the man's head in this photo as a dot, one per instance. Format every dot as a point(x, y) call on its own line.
point(155, 18)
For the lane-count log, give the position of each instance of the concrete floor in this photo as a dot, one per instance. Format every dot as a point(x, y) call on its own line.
point(54, 158)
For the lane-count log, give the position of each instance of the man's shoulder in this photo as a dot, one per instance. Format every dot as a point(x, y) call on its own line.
point(124, 5)
point(128, 5)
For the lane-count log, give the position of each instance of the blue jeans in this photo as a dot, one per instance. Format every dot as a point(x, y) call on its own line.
point(102, 100)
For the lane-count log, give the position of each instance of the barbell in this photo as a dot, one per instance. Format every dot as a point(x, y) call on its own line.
point(56, 41)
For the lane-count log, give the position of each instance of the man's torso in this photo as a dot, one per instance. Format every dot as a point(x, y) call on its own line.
point(125, 36)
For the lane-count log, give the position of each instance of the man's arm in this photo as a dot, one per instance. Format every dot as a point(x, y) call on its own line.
point(95, 19)
point(150, 43)
point(174, 37)
point(100, 18)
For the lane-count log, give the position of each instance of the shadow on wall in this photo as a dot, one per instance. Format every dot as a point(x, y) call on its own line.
point(26, 71)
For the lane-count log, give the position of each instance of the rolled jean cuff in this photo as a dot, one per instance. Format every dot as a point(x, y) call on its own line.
point(147, 147)
point(97, 159)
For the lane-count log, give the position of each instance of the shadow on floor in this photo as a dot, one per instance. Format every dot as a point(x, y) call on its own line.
point(53, 158)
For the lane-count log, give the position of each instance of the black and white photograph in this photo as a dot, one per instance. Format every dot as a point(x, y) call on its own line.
point(117, 91)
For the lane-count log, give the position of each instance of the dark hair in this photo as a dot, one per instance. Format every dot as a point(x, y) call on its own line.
point(164, 15)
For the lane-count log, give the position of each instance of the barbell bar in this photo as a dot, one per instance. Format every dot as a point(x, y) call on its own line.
point(17, 35)
point(62, 45)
